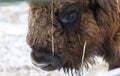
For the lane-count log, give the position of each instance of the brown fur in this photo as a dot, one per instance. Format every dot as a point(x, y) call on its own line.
point(99, 25)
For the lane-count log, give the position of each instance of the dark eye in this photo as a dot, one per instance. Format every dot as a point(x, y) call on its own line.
point(67, 18)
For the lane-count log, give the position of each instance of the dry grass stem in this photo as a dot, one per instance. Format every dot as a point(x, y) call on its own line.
point(83, 57)
point(79, 39)
point(52, 9)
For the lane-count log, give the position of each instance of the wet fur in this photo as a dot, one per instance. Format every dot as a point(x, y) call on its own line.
point(99, 25)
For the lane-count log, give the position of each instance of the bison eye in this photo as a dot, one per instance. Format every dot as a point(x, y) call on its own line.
point(67, 18)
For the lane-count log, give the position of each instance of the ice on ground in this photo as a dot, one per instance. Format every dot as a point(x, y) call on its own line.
point(15, 53)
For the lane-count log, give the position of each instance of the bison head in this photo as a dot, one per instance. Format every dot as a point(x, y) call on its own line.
point(59, 30)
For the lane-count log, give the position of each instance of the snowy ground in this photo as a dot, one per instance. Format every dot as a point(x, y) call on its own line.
point(14, 52)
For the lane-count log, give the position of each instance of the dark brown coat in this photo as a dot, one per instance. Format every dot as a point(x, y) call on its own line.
point(96, 22)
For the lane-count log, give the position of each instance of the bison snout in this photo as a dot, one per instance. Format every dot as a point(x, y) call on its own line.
point(45, 61)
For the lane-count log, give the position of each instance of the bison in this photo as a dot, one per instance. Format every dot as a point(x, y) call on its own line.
point(69, 33)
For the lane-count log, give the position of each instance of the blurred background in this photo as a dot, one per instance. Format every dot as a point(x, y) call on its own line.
point(15, 53)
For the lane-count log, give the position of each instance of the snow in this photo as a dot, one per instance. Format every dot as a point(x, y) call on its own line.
point(15, 53)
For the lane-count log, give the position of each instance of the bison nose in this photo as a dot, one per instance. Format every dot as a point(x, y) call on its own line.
point(46, 61)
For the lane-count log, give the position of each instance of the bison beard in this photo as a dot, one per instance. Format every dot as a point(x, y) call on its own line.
point(96, 22)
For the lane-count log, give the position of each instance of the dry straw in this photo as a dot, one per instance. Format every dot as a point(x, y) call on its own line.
point(83, 54)
point(52, 11)
point(84, 49)
point(83, 58)
point(79, 39)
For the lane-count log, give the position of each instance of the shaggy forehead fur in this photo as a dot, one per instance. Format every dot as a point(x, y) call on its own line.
point(98, 24)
